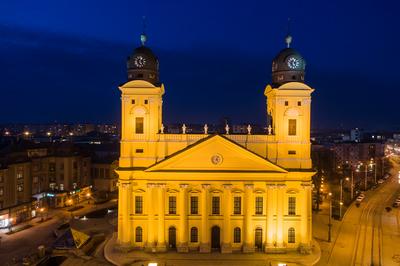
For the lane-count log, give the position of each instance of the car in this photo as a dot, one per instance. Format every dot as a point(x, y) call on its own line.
point(395, 205)
point(380, 181)
point(360, 198)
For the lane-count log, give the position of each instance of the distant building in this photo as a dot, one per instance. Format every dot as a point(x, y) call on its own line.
point(353, 153)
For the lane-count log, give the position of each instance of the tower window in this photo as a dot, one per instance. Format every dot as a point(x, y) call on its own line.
point(140, 75)
point(146, 101)
point(133, 101)
point(292, 127)
point(139, 125)
point(299, 103)
point(286, 103)
point(294, 77)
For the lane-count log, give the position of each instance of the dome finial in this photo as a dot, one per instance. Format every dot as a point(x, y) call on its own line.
point(143, 37)
point(288, 38)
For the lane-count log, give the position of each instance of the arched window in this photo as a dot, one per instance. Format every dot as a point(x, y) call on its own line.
point(139, 234)
point(194, 235)
point(236, 235)
point(291, 235)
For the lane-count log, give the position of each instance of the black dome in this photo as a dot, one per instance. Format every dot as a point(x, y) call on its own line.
point(288, 66)
point(143, 65)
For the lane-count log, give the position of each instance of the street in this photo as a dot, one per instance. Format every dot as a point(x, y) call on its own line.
point(367, 235)
point(23, 243)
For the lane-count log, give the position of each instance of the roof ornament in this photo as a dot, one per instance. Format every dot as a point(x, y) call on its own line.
point(227, 129)
point(288, 38)
point(206, 129)
point(143, 37)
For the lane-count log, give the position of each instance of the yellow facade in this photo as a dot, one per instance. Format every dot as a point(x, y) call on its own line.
point(202, 192)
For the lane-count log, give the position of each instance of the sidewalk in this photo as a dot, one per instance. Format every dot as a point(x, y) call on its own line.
point(138, 258)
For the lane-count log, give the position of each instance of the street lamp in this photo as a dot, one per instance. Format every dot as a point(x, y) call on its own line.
point(330, 217)
point(88, 197)
point(340, 209)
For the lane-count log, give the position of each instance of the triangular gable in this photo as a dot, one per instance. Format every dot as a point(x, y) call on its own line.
point(215, 154)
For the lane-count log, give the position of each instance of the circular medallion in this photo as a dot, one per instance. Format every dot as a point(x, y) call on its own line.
point(216, 159)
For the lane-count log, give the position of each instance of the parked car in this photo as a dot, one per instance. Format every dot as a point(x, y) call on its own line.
point(380, 181)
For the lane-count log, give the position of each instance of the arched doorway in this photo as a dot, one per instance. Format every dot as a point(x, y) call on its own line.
point(215, 238)
point(258, 238)
point(172, 237)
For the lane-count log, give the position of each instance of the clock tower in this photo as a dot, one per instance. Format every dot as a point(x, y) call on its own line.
point(288, 65)
point(289, 109)
point(143, 64)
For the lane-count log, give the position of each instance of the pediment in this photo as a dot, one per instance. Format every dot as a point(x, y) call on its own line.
point(215, 154)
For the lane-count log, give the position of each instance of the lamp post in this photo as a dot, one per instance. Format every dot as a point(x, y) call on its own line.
point(340, 209)
point(330, 217)
point(341, 198)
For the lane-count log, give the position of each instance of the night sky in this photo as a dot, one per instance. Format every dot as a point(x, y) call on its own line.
point(63, 60)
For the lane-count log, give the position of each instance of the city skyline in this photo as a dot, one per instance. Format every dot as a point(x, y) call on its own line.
point(228, 56)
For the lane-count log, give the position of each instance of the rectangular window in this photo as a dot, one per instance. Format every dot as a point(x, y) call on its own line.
point(194, 205)
point(138, 204)
point(286, 103)
point(1, 178)
point(215, 205)
point(1, 191)
point(291, 152)
point(146, 101)
point(236, 235)
point(139, 128)
point(292, 206)
point(299, 103)
point(133, 101)
point(172, 205)
point(237, 205)
point(20, 175)
point(259, 205)
point(20, 187)
point(292, 127)
point(194, 235)
point(139, 150)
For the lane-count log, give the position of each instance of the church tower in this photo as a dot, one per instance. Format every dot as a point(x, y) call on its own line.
point(141, 108)
point(289, 109)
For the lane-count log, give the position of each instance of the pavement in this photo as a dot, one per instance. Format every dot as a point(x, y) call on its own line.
point(368, 235)
point(140, 258)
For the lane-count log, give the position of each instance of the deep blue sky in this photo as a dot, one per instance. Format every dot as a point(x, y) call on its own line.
point(63, 60)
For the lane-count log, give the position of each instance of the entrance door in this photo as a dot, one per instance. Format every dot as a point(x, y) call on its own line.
point(172, 237)
point(258, 239)
point(215, 238)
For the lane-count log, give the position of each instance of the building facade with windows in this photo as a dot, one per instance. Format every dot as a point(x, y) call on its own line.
point(203, 192)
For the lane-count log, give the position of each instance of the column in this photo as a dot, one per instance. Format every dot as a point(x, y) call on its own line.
point(305, 211)
point(248, 243)
point(124, 210)
point(161, 246)
point(205, 245)
point(227, 230)
point(183, 220)
point(271, 228)
point(150, 243)
point(279, 215)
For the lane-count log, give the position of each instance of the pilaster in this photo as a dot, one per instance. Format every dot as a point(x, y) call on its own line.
point(248, 243)
point(205, 245)
point(161, 245)
point(150, 245)
point(227, 231)
point(183, 222)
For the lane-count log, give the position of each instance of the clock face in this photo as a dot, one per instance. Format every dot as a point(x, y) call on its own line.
point(140, 61)
point(216, 159)
point(293, 63)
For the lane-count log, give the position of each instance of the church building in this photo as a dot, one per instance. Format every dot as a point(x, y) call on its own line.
point(215, 192)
